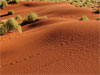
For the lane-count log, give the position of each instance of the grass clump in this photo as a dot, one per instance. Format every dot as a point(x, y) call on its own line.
point(2, 29)
point(32, 17)
point(18, 17)
point(10, 12)
point(13, 1)
point(98, 18)
point(3, 4)
point(83, 18)
point(11, 25)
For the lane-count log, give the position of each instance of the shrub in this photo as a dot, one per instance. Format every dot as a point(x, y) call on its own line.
point(83, 18)
point(98, 18)
point(19, 29)
point(25, 19)
point(3, 4)
point(2, 29)
point(10, 12)
point(32, 17)
point(12, 25)
point(17, 1)
point(3, 21)
point(13, 1)
point(0, 3)
point(18, 17)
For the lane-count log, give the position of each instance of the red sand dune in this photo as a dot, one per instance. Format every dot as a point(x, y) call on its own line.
point(59, 44)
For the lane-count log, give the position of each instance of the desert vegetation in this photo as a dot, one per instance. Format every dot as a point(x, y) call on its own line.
point(10, 25)
point(94, 4)
point(98, 18)
point(53, 36)
point(32, 17)
point(3, 4)
point(10, 12)
point(18, 17)
point(13, 1)
point(83, 18)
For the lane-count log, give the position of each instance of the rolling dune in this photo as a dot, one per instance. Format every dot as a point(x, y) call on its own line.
point(59, 44)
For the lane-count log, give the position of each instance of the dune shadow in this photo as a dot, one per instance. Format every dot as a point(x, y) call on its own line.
point(29, 5)
point(26, 22)
point(95, 12)
point(4, 15)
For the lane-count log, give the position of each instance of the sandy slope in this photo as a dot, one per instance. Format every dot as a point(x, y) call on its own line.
point(58, 45)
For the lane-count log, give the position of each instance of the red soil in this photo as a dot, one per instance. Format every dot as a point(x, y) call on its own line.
point(59, 44)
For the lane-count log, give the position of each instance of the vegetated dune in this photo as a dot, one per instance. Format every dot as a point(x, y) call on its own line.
point(56, 45)
point(50, 9)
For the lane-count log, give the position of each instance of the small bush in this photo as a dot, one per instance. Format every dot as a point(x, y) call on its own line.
point(10, 12)
point(32, 17)
point(83, 18)
point(12, 25)
point(25, 19)
point(19, 29)
point(18, 17)
point(98, 18)
point(17, 1)
point(3, 4)
point(13, 1)
point(3, 21)
point(2, 29)
point(0, 3)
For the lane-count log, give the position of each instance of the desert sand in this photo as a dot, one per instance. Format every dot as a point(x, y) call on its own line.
point(59, 44)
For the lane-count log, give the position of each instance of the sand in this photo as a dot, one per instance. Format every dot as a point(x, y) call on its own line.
point(59, 44)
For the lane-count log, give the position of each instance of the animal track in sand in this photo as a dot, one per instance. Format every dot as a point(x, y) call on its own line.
point(20, 61)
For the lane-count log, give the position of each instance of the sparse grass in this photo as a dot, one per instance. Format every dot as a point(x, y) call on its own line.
point(18, 17)
point(44, 17)
point(84, 18)
point(98, 18)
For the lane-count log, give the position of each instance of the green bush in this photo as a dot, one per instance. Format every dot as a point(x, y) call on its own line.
point(0, 3)
point(18, 17)
point(98, 18)
point(32, 17)
point(13, 1)
point(2, 29)
point(3, 21)
point(83, 18)
point(3, 4)
point(12, 25)
point(10, 12)
point(16, 1)
point(25, 19)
